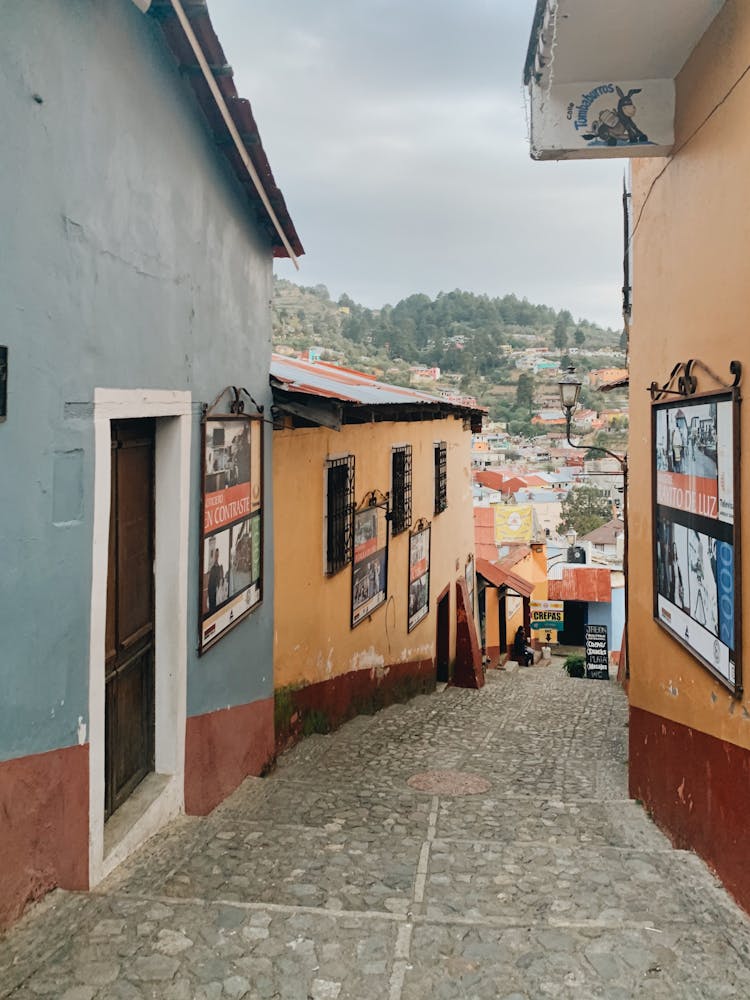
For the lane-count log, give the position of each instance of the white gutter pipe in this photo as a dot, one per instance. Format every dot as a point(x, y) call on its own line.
point(143, 5)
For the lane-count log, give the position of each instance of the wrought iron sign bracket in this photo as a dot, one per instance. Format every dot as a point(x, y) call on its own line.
point(236, 402)
point(683, 376)
point(374, 499)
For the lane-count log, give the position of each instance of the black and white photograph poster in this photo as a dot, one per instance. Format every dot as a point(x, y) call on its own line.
point(419, 577)
point(370, 564)
point(694, 527)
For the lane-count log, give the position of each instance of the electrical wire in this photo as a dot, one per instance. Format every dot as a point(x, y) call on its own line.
point(682, 146)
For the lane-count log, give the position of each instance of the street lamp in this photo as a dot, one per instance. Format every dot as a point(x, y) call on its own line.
point(570, 390)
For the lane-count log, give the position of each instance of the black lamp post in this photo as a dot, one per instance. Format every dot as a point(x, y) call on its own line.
point(570, 390)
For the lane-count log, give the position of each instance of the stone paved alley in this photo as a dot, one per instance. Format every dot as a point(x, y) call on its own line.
point(336, 878)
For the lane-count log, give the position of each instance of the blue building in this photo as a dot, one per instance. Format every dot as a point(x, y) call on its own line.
point(140, 218)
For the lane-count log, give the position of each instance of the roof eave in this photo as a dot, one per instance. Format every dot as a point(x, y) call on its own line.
point(240, 112)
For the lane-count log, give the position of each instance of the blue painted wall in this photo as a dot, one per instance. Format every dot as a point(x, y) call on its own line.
point(130, 259)
point(612, 615)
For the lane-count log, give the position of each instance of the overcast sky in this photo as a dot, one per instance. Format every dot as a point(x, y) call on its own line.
point(397, 133)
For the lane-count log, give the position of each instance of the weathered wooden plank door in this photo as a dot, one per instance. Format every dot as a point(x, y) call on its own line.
point(129, 685)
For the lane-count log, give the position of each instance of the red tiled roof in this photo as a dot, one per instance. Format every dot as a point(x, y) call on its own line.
point(499, 577)
point(582, 584)
point(516, 555)
point(606, 534)
point(492, 480)
point(239, 111)
point(484, 533)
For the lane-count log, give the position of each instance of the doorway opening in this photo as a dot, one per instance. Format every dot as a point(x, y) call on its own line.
point(129, 705)
point(139, 619)
point(442, 645)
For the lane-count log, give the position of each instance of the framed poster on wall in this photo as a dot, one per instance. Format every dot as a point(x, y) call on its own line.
point(419, 575)
point(231, 523)
point(370, 562)
point(696, 506)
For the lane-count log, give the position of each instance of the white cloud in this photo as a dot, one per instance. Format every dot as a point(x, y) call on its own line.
point(396, 130)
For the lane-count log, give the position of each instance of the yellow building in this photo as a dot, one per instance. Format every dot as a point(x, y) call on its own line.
point(689, 268)
point(374, 545)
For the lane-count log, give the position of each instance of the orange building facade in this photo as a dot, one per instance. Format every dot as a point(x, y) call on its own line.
point(687, 273)
point(690, 734)
point(340, 648)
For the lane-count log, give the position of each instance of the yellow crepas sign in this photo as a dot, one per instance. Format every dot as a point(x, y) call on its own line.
point(513, 523)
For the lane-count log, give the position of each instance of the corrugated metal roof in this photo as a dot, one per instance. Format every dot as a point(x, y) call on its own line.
point(499, 577)
point(582, 583)
point(239, 109)
point(348, 386)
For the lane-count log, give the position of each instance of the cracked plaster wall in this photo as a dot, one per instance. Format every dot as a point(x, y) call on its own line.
point(129, 259)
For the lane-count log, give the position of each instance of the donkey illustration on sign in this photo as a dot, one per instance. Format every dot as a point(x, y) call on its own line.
point(616, 125)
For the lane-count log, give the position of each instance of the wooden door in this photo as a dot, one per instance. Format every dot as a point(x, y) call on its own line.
point(443, 639)
point(129, 669)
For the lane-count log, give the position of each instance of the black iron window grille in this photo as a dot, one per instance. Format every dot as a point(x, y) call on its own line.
point(339, 512)
point(401, 489)
point(441, 476)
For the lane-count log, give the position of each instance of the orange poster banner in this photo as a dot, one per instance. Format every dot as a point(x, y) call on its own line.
point(693, 494)
point(224, 507)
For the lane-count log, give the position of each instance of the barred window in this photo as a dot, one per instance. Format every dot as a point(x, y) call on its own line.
point(339, 512)
point(400, 489)
point(441, 476)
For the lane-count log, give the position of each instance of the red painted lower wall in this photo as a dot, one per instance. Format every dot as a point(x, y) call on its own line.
point(222, 748)
point(326, 704)
point(44, 827)
point(467, 671)
point(697, 788)
point(493, 655)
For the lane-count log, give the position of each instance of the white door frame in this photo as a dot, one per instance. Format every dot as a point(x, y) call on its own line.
point(173, 410)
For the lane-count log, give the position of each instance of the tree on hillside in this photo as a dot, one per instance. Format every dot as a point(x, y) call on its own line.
point(624, 340)
point(525, 392)
point(579, 337)
point(561, 334)
point(584, 509)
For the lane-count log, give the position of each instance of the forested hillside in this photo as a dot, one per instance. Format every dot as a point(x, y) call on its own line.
point(473, 339)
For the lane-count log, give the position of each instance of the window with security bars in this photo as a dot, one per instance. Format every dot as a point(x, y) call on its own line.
point(441, 476)
point(339, 512)
point(400, 489)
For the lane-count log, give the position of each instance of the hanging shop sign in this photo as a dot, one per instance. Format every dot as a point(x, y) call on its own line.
point(513, 522)
point(419, 574)
point(231, 520)
point(696, 528)
point(548, 616)
point(597, 652)
point(370, 562)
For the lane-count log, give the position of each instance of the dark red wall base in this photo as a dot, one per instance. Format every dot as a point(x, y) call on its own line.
point(44, 827)
point(222, 748)
point(324, 706)
point(697, 788)
point(467, 671)
point(493, 655)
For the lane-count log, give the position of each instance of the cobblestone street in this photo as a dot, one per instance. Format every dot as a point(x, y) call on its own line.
point(335, 878)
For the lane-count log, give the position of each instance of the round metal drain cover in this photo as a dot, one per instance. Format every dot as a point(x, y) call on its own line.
point(449, 783)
